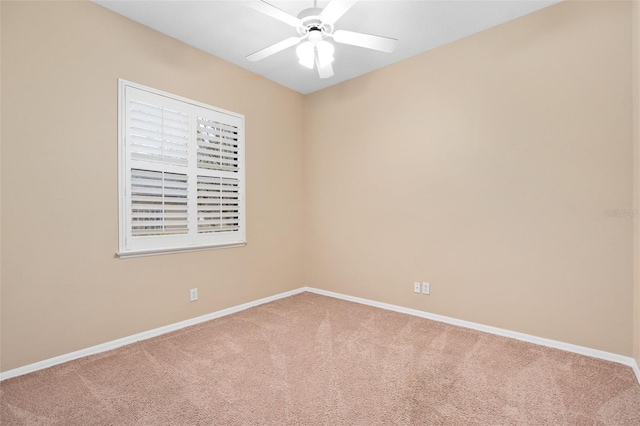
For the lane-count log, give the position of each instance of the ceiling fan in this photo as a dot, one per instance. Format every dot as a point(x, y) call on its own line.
point(315, 26)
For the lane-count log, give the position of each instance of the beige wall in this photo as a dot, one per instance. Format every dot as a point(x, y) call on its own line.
point(636, 175)
point(62, 288)
point(485, 167)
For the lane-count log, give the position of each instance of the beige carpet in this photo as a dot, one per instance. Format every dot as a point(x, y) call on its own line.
point(315, 360)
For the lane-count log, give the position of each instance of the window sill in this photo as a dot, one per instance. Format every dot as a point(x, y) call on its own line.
point(157, 252)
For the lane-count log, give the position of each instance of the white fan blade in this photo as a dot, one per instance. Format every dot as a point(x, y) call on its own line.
point(335, 9)
point(384, 44)
point(326, 71)
point(268, 51)
point(274, 12)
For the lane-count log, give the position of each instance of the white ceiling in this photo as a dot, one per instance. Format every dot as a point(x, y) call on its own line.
point(231, 30)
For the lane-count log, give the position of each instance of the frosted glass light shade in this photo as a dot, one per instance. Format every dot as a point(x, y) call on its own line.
point(325, 52)
point(305, 54)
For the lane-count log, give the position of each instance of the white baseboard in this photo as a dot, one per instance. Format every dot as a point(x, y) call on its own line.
point(608, 356)
point(636, 369)
point(595, 353)
point(140, 336)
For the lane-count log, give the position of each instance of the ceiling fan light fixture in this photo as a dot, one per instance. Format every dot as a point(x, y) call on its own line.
point(325, 52)
point(305, 54)
point(314, 26)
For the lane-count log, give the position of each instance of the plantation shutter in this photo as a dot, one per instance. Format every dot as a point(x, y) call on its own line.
point(158, 203)
point(182, 168)
point(218, 182)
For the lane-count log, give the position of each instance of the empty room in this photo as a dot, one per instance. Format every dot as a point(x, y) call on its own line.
point(325, 212)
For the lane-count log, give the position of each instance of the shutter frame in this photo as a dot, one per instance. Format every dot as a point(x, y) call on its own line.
point(159, 137)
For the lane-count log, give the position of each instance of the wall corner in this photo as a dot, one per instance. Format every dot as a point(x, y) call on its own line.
point(635, 56)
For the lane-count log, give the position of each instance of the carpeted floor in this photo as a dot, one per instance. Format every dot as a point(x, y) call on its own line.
point(315, 360)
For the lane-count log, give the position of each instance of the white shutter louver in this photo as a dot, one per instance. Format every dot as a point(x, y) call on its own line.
point(181, 174)
point(158, 203)
point(217, 146)
point(158, 135)
point(218, 204)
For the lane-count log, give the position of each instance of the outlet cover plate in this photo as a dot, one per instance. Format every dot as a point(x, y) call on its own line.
point(426, 288)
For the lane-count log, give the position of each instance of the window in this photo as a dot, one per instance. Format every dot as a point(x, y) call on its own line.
point(181, 173)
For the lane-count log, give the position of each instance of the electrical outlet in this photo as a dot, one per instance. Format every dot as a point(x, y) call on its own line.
point(416, 287)
point(426, 288)
point(193, 294)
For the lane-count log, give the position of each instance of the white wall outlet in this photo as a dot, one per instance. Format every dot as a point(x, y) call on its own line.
point(416, 287)
point(426, 288)
point(193, 294)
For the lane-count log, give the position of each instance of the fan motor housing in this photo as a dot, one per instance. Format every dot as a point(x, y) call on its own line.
point(311, 21)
